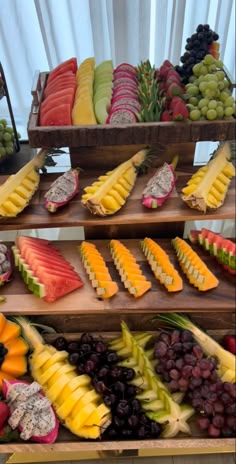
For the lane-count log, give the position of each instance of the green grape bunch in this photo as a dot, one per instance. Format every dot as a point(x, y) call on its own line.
point(208, 92)
point(7, 139)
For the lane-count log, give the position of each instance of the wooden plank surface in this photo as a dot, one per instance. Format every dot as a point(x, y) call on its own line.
point(85, 302)
point(162, 132)
point(133, 212)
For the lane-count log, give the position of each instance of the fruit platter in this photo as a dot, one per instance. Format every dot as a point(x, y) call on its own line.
point(126, 390)
point(91, 103)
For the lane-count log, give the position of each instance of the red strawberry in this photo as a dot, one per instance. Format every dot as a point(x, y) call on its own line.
point(172, 74)
point(166, 116)
point(229, 342)
point(180, 111)
point(174, 90)
point(4, 413)
point(174, 102)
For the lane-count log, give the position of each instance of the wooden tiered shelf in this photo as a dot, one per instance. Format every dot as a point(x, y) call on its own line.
point(96, 150)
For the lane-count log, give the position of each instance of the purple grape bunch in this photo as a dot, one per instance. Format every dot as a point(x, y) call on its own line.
point(183, 367)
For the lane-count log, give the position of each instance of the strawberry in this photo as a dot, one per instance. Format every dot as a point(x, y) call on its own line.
point(7, 434)
point(174, 102)
point(180, 111)
point(4, 413)
point(173, 90)
point(166, 116)
point(229, 342)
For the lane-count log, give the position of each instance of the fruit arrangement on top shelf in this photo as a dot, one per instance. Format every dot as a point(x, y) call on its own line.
point(137, 386)
point(88, 94)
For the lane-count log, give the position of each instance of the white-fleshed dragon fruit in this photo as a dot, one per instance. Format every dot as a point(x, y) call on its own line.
point(160, 186)
point(31, 412)
point(62, 190)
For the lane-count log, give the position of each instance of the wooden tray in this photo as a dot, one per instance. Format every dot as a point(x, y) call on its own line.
point(146, 133)
point(84, 301)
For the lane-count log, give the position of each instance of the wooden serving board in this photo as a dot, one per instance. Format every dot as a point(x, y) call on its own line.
point(84, 301)
point(133, 212)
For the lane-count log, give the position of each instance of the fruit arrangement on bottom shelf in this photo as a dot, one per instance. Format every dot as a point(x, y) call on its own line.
point(132, 386)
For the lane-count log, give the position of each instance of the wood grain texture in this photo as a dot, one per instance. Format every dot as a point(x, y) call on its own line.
point(147, 133)
point(85, 302)
point(133, 212)
point(67, 442)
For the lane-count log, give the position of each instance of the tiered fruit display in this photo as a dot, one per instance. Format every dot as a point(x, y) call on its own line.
point(45, 272)
point(208, 187)
point(125, 105)
point(58, 97)
point(13, 350)
point(19, 188)
point(129, 270)
point(198, 45)
point(97, 270)
point(83, 109)
point(110, 192)
point(208, 92)
point(223, 249)
point(7, 139)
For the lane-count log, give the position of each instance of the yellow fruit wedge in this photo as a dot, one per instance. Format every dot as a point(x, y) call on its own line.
point(208, 187)
point(110, 192)
point(19, 188)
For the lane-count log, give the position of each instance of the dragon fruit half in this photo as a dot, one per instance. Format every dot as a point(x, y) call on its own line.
point(62, 190)
point(31, 412)
point(160, 186)
point(5, 264)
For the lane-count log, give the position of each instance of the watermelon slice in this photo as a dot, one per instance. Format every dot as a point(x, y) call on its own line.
point(223, 249)
point(47, 274)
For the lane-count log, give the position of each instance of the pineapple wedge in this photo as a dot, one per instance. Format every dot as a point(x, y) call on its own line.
point(110, 192)
point(19, 188)
point(77, 404)
point(208, 187)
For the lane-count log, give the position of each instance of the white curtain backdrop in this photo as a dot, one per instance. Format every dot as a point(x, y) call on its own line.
point(39, 34)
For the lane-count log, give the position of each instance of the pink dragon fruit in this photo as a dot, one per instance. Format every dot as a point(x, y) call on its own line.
point(62, 190)
point(5, 264)
point(30, 411)
point(160, 186)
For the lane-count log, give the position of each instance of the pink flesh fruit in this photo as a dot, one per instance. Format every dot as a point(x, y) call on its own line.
point(52, 435)
point(160, 186)
point(5, 264)
point(62, 190)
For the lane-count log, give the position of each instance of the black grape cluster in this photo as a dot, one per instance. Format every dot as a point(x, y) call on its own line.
point(92, 357)
point(196, 48)
point(183, 367)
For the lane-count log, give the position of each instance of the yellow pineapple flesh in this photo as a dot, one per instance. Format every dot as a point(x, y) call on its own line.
point(77, 404)
point(19, 188)
point(208, 187)
point(110, 192)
